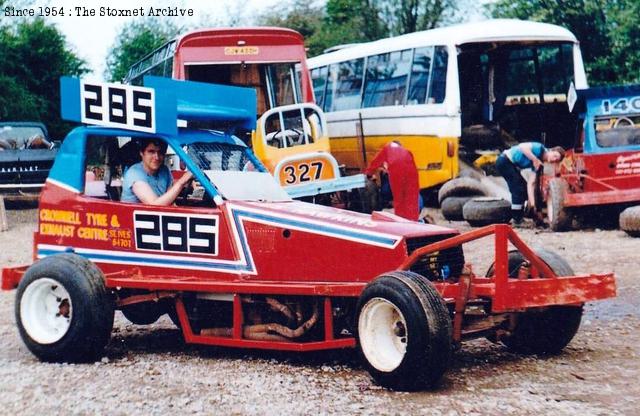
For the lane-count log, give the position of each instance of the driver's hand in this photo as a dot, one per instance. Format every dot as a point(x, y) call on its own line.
point(537, 164)
point(186, 178)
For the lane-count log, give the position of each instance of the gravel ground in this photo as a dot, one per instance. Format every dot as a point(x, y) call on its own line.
point(150, 370)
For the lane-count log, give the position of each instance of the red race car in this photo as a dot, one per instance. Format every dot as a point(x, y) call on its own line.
point(237, 263)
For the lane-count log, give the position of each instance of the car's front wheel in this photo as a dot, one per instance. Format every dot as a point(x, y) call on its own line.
point(63, 310)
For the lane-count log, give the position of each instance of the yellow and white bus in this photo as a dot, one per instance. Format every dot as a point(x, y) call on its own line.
point(432, 90)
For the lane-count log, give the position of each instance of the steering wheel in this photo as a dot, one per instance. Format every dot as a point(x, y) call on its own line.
point(623, 122)
point(299, 138)
point(5, 145)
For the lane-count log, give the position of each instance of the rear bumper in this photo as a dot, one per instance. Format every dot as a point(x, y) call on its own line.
point(617, 196)
point(11, 277)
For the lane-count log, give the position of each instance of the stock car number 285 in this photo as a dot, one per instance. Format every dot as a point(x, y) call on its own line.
point(179, 233)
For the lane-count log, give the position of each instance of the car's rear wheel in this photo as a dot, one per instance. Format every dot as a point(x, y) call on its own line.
point(546, 330)
point(403, 331)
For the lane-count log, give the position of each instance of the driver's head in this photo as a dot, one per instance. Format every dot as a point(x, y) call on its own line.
point(555, 154)
point(152, 153)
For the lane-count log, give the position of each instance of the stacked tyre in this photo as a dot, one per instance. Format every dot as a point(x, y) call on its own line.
point(456, 193)
point(479, 212)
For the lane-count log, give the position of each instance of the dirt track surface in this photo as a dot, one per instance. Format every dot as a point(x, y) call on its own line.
point(150, 370)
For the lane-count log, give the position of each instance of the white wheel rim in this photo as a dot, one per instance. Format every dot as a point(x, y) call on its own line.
point(382, 331)
point(46, 310)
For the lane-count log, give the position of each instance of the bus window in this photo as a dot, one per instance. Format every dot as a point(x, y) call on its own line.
point(348, 85)
point(319, 80)
point(297, 83)
point(556, 66)
point(438, 85)
point(386, 79)
point(158, 63)
point(420, 70)
point(521, 78)
point(274, 83)
point(331, 83)
point(281, 80)
point(552, 77)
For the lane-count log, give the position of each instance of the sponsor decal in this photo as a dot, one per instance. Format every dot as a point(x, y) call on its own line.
point(92, 226)
point(628, 165)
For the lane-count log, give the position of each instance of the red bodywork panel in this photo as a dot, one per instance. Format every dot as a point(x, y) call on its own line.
point(270, 242)
point(601, 179)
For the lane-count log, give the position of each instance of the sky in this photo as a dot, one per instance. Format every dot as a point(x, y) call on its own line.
point(92, 37)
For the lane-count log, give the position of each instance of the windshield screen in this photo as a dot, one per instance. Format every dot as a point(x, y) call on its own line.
point(230, 170)
point(18, 136)
point(618, 131)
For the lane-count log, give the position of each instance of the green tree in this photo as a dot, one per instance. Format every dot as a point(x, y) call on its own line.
point(323, 26)
point(407, 16)
point(349, 21)
point(607, 30)
point(355, 21)
point(625, 38)
point(33, 57)
point(299, 15)
point(134, 41)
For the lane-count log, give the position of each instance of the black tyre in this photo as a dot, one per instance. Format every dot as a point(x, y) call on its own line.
point(364, 200)
point(452, 207)
point(630, 221)
point(144, 313)
point(484, 211)
point(403, 331)
point(543, 330)
point(462, 187)
point(559, 217)
point(63, 310)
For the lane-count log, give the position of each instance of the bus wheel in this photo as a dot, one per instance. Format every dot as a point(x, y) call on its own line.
point(63, 310)
point(558, 216)
point(630, 221)
point(544, 330)
point(403, 331)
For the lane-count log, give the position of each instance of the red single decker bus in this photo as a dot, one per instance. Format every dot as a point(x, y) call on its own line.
point(272, 60)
